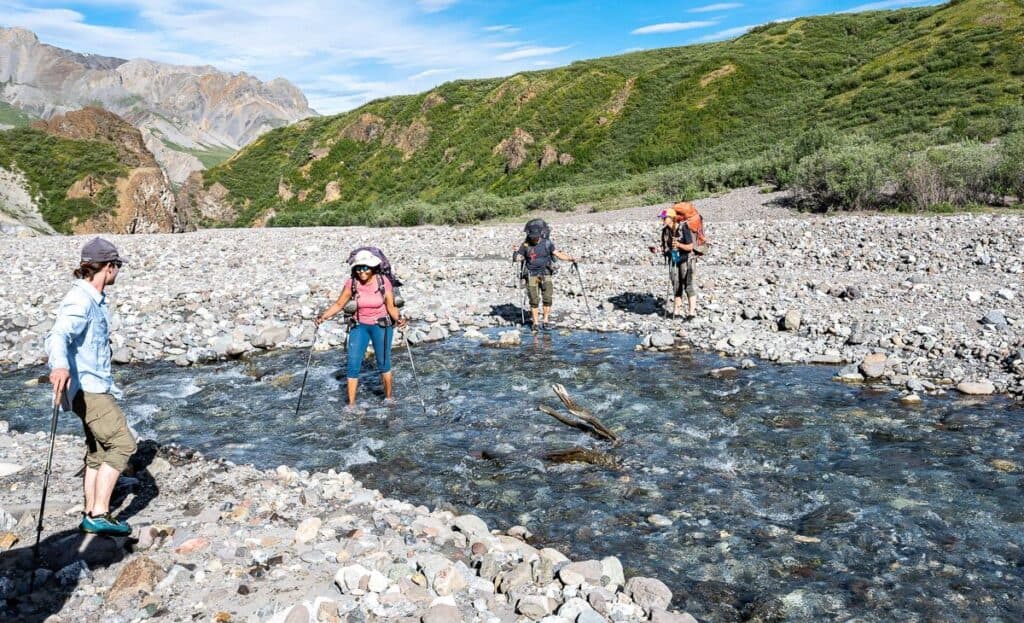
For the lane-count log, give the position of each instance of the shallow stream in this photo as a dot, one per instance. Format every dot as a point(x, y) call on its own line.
point(781, 494)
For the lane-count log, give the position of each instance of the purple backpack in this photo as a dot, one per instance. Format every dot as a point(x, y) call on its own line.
point(385, 265)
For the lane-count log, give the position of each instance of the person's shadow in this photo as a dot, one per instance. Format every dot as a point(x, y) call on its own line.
point(510, 313)
point(66, 557)
point(642, 303)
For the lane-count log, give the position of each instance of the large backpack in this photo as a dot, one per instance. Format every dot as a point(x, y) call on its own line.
point(687, 213)
point(538, 226)
point(385, 265)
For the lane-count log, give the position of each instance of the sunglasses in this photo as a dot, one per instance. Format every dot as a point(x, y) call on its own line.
point(360, 269)
point(117, 263)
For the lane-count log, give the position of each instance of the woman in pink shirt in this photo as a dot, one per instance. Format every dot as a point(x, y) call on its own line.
point(374, 320)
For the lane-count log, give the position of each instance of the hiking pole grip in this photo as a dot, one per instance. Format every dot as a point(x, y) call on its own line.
point(46, 485)
point(309, 358)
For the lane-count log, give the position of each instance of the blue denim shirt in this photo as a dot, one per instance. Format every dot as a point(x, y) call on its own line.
point(80, 341)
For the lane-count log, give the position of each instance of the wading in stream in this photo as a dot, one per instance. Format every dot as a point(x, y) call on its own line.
point(537, 256)
point(368, 300)
point(78, 350)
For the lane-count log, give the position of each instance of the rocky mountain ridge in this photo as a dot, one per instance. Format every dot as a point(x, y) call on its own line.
point(189, 117)
point(124, 192)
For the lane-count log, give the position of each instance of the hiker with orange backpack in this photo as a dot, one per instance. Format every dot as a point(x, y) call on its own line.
point(682, 241)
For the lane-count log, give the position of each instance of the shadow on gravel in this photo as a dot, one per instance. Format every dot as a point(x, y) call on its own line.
point(643, 304)
point(69, 556)
point(509, 312)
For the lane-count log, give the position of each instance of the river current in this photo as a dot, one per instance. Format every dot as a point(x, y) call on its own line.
point(775, 494)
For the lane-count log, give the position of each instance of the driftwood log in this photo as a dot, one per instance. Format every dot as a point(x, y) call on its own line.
point(583, 455)
point(583, 419)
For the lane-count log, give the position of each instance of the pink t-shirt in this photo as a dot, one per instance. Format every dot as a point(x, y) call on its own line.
point(369, 301)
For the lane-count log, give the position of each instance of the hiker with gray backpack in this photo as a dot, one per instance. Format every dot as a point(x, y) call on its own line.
point(537, 256)
point(368, 299)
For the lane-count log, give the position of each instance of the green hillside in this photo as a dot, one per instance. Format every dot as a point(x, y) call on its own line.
point(653, 124)
point(11, 116)
point(52, 165)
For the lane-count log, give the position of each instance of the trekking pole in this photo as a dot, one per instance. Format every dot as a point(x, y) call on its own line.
point(412, 365)
point(583, 288)
point(306, 373)
point(671, 300)
point(522, 305)
point(46, 484)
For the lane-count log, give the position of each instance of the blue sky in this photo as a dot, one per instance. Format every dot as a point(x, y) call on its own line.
point(342, 54)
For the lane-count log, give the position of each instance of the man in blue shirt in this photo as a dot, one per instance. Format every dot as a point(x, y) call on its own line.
point(78, 347)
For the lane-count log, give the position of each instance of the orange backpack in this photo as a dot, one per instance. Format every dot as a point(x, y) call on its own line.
point(687, 213)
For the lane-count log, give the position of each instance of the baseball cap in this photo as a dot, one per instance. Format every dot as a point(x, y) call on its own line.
point(100, 250)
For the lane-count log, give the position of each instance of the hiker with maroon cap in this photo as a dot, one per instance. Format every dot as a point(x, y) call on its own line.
point(78, 348)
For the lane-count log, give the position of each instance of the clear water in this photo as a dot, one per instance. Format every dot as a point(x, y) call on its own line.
point(901, 511)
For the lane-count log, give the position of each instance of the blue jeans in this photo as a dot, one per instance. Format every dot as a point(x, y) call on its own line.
point(359, 337)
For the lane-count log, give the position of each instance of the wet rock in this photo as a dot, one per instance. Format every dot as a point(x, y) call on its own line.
point(726, 372)
point(659, 520)
point(510, 338)
point(873, 365)
point(976, 388)
point(649, 593)
point(662, 339)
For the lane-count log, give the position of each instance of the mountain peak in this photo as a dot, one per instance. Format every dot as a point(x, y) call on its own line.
point(189, 116)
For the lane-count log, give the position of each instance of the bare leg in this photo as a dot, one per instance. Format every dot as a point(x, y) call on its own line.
point(547, 313)
point(90, 489)
point(106, 478)
point(692, 301)
point(676, 305)
point(353, 385)
point(534, 313)
point(385, 378)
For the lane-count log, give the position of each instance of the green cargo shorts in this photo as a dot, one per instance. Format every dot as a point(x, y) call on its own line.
point(107, 438)
point(538, 285)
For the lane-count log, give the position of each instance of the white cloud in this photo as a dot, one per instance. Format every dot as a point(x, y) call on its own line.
point(341, 54)
point(671, 27)
point(887, 4)
point(431, 72)
point(501, 45)
point(530, 52)
point(729, 33)
point(721, 6)
point(501, 28)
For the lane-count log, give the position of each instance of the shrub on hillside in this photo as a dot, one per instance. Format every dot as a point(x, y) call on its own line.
point(1010, 171)
point(969, 171)
point(851, 175)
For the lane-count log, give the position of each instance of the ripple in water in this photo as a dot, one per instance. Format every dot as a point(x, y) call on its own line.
point(790, 497)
